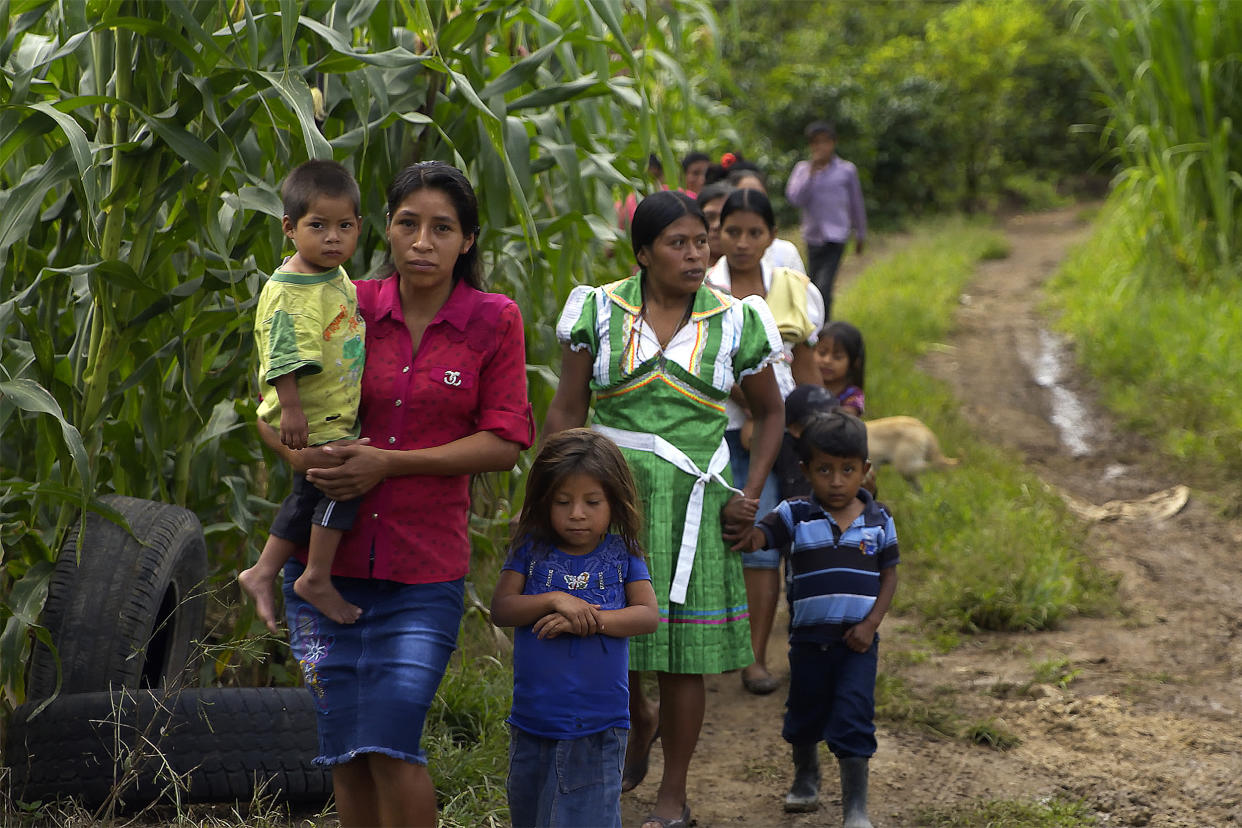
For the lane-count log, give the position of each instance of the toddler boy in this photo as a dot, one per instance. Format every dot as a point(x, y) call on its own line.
point(310, 339)
point(842, 573)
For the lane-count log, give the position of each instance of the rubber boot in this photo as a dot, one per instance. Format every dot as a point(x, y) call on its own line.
point(803, 795)
point(854, 791)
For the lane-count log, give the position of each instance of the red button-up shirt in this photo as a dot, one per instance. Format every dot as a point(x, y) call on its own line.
point(469, 375)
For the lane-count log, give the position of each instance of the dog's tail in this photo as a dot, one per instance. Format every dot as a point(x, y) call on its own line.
point(938, 459)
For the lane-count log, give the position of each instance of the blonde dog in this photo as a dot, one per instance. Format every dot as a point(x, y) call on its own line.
point(909, 445)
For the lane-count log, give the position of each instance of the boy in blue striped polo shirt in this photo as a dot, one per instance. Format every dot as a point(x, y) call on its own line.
point(841, 573)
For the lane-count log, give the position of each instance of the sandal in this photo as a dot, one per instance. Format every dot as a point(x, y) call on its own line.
point(683, 821)
point(760, 686)
point(631, 778)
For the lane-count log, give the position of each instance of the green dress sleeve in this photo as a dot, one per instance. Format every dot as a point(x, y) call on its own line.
point(578, 326)
point(760, 344)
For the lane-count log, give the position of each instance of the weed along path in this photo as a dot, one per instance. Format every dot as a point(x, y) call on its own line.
point(1133, 714)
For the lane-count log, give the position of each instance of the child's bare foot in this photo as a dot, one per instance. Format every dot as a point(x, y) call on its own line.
point(324, 596)
point(258, 585)
point(644, 730)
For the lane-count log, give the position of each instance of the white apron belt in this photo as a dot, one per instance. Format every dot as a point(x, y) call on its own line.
point(657, 445)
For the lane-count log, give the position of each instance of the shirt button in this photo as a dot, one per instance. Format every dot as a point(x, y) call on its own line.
point(405, 370)
point(375, 515)
point(398, 403)
point(392, 439)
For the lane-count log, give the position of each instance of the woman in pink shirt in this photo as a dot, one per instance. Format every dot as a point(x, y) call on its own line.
point(443, 397)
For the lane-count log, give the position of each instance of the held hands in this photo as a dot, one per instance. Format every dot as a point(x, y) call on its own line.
point(572, 616)
point(293, 427)
point(737, 519)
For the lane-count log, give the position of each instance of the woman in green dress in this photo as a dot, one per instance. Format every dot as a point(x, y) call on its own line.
point(660, 352)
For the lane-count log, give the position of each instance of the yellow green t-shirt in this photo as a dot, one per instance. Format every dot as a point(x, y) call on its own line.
point(308, 324)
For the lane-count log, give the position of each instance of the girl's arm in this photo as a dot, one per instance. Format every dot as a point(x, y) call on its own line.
point(510, 608)
point(805, 371)
point(640, 616)
point(362, 468)
point(573, 393)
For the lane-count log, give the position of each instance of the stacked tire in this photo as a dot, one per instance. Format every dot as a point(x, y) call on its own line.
point(125, 612)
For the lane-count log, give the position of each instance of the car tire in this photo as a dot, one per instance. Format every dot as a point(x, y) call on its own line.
point(189, 746)
point(128, 613)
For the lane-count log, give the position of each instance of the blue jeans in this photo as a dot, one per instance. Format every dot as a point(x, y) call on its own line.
point(739, 463)
point(832, 697)
point(566, 783)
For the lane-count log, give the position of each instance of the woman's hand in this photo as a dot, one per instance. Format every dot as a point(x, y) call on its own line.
point(314, 457)
point(354, 469)
point(740, 511)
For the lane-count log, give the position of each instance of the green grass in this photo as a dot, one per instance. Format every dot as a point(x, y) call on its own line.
point(1163, 351)
point(997, 813)
point(985, 546)
point(466, 738)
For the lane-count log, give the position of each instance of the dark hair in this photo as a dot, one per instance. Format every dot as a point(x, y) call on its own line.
point(579, 451)
point(837, 433)
point(821, 128)
point(446, 178)
point(657, 211)
point(313, 179)
point(654, 163)
point(749, 201)
point(719, 189)
point(851, 340)
point(736, 176)
point(693, 158)
point(807, 401)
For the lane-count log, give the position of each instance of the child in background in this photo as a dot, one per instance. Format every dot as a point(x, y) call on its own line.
point(802, 404)
point(310, 338)
point(781, 252)
point(575, 591)
point(842, 361)
point(694, 172)
point(747, 228)
point(842, 574)
point(711, 201)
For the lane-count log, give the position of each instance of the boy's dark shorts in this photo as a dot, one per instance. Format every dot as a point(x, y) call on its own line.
point(306, 505)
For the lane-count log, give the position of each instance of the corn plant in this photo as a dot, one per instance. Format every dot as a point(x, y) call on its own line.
point(142, 143)
point(1171, 84)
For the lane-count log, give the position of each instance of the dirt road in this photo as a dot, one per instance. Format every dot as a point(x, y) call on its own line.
point(1145, 731)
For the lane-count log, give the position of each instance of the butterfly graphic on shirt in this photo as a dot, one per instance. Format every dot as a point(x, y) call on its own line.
point(579, 581)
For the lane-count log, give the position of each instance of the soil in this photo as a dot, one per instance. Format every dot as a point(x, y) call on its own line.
point(1144, 731)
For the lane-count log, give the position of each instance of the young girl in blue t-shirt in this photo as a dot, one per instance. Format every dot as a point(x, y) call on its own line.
point(575, 591)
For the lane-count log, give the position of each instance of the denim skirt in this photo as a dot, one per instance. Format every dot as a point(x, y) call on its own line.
point(373, 681)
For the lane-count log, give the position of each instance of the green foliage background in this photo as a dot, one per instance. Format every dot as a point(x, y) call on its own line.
point(1152, 301)
point(943, 106)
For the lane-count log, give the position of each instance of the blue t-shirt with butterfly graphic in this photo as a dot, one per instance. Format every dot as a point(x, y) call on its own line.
point(573, 686)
